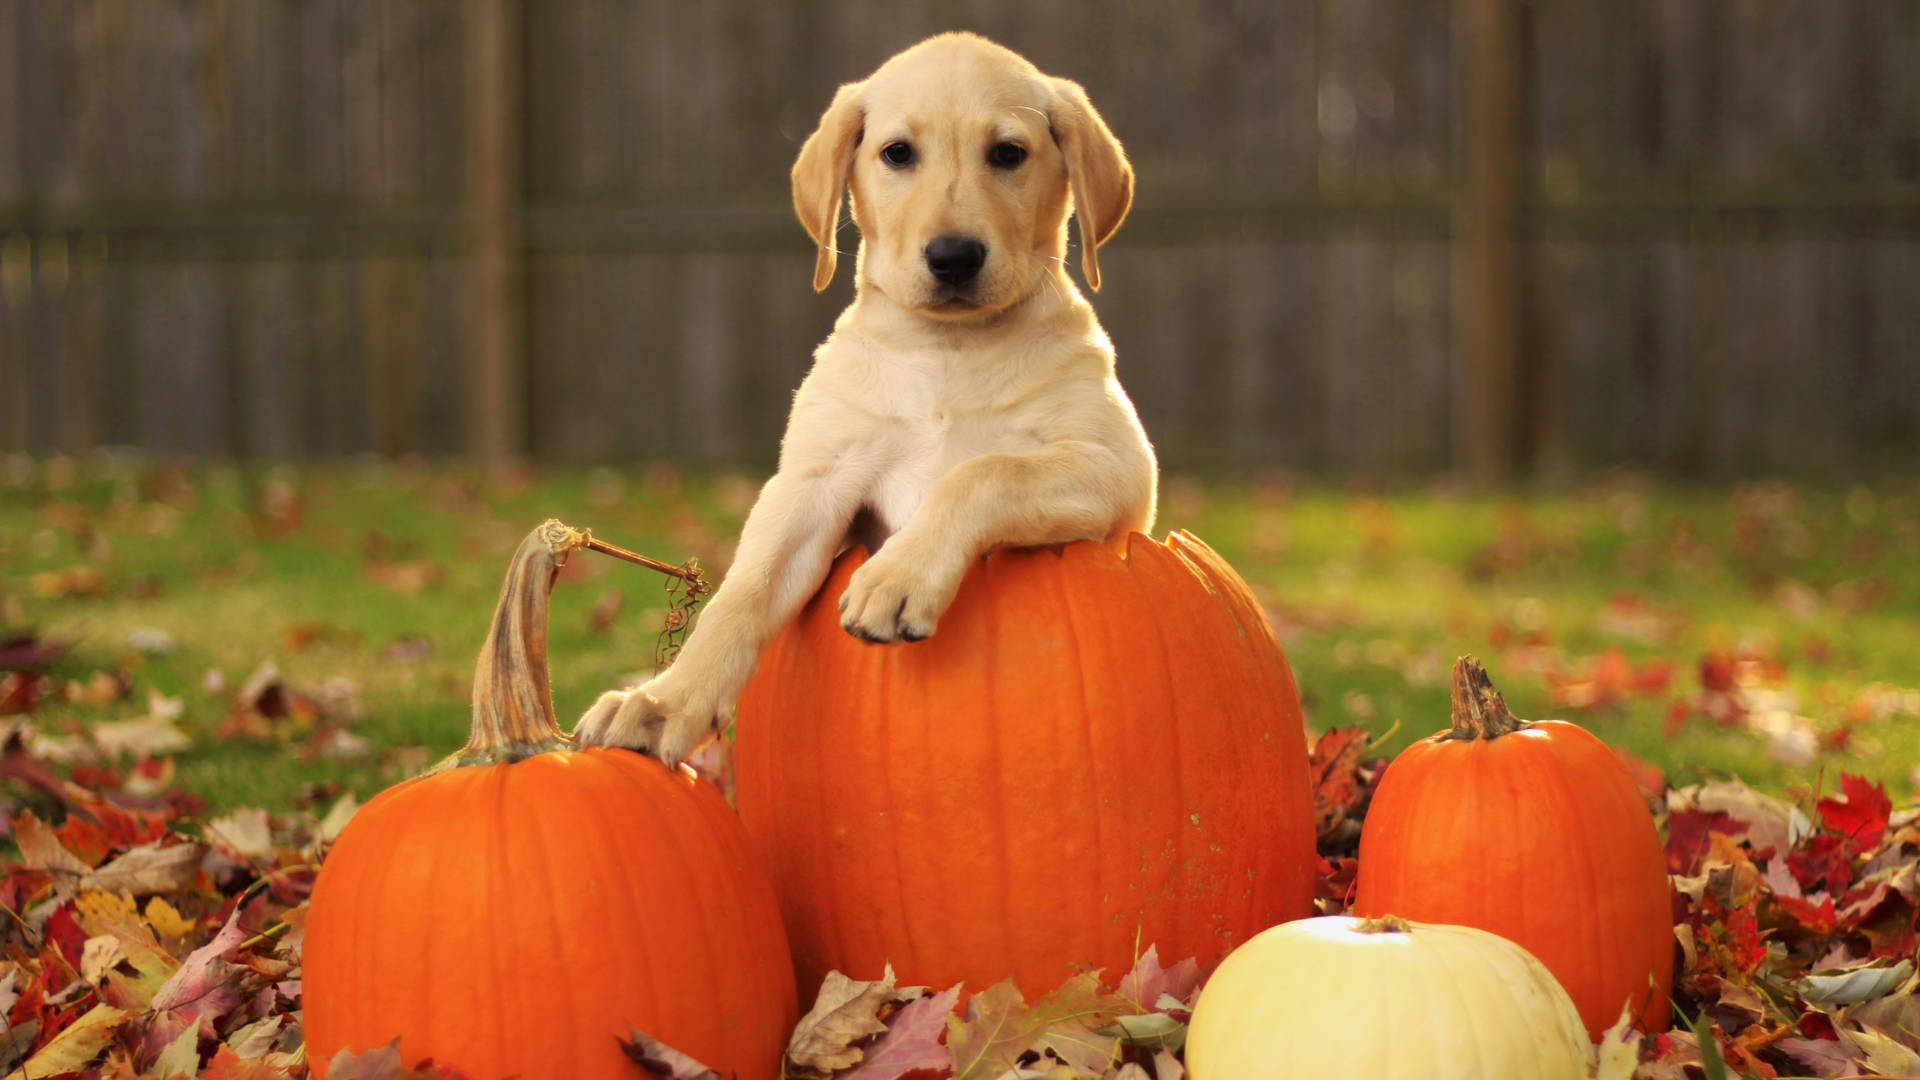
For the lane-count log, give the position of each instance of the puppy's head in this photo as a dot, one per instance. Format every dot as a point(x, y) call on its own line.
point(963, 161)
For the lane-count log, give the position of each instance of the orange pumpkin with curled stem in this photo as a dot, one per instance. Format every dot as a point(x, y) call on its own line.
point(1535, 832)
point(520, 908)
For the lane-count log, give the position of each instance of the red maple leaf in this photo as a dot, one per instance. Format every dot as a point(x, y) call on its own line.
point(1740, 933)
point(1861, 815)
point(1817, 1025)
point(102, 828)
point(1688, 836)
point(1818, 920)
point(1333, 764)
point(1822, 857)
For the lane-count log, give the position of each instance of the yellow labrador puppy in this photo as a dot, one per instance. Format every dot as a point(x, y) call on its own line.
point(966, 399)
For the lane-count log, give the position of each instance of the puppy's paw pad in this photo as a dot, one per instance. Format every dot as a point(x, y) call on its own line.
point(885, 602)
point(632, 720)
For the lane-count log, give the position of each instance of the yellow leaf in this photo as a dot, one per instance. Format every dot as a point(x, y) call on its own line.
point(75, 1047)
point(166, 921)
point(1619, 1050)
point(97, 910)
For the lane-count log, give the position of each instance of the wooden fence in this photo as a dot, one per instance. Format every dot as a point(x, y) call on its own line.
point(254, 227)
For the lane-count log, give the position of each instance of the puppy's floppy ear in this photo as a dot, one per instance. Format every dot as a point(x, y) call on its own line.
point(1097, 171)
point(820, 175)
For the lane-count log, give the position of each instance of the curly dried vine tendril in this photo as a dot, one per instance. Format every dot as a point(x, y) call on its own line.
point(686, 588)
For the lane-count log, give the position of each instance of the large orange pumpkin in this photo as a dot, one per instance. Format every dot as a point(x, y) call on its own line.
point(514, 912)
point(1100, 749)
point(1535, 832)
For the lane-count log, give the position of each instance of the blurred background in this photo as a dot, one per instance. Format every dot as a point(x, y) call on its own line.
point(1372, 237)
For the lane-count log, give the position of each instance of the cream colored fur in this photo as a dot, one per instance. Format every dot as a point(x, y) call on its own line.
point(940, 421)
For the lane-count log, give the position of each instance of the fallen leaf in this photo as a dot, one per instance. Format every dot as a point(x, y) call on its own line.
point(1618, 1054)
point(1333, 764)
point(1830, 990)
point(656, 1058)
point(100, 955)
point(408, 650)
point(912, 1040)
point(1069, 1020)
point(71, 582)
point(336, 820)
point(1860, 813)
point(379, 1063)
point(167, 922)
point(605, 610)
point(405, 577)
point(256, 1039)
point(147, 736)
point(29, 652)
point(181, 1057)
point(243, 832)
point(845, 1012)
point(1148, 982)
point(201, 987)
point(990, 1039)
point(149, 868)
point(73, 1047)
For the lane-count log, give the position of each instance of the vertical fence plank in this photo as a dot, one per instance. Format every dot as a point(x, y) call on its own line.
point(322, 157)
point(497, 422)
point(1486, 311)
point(77, 386)
point(16, 300)
point(269, 336)
point(13, 105)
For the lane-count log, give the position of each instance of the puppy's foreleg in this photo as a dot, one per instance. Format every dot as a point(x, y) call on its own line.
point(1065, 491)
point(789, 540)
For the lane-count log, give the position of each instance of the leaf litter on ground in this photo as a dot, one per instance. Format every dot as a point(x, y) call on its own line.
point(144, 936)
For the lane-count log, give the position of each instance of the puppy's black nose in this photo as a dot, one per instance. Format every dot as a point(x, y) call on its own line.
point(955, 260)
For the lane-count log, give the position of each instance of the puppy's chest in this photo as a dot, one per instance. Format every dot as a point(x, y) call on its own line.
point(928, 444)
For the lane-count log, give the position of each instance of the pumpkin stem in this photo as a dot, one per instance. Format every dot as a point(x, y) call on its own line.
point(512, 697)
point(1479, 712)
point(1383, 924)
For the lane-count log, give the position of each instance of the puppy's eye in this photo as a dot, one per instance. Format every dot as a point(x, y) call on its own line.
point(1006, 155)
point(899, 155)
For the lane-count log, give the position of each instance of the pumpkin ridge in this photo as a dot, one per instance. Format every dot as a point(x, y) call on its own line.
point(826, 886)
point(1003, 894)
point(634, 890)
point(888, 754)
point(499, 877)
point(559, 931)
point(1600, 960)
point(1143, 585)
point(1075, 620)
point(709, 892)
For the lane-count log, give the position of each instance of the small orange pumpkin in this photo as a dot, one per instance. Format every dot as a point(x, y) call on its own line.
point(1101, 749)
point(1535, 832)
point(516, 910)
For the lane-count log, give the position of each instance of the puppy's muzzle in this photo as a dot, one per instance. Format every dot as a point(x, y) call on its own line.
point(955, 260)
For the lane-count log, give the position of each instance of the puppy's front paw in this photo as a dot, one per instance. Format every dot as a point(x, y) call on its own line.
point(894, 599)
point(648, 722)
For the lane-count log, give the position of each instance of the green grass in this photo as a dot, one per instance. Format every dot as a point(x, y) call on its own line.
point(1374, 595)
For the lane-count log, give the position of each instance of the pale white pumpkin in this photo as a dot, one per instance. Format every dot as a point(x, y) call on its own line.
point(1384, 999)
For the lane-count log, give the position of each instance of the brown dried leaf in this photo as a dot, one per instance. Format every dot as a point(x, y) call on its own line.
point(149, 868)
point(846, 1011)
point(244, 832)
point(657, 1059)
